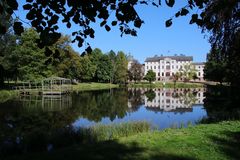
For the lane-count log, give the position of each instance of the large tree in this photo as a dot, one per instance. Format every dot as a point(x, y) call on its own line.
point(135, 72)
point(105, 69)
point(121, 68)
point(215, 67)
point(88, 68)
point(219, 17)
point(29, 58)
point(7, 46)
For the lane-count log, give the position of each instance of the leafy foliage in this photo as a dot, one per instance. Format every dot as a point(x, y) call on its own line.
point(135, 72)
point(7, 46)
point(105, 69)
point(187, 72)
point(121, 68)
point(150, 76)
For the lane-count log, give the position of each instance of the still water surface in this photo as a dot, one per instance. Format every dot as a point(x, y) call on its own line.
point(163, 108)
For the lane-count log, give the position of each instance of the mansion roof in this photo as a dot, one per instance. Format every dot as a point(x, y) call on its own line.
point(177, 58)
point(198, 63)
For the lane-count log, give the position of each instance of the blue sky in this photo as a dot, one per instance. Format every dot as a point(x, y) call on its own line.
point(153, 37)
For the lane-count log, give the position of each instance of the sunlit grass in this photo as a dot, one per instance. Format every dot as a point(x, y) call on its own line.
point(6, 95)
point(211, 141)
point(93, 86)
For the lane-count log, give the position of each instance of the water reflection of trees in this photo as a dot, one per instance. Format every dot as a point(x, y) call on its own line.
point(150, 94)
point(25, 129)
point(135, 99)
point(222, 103)
point(96, 105)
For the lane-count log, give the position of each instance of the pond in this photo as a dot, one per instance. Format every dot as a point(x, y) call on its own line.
point(34, 123)
point(163, 108)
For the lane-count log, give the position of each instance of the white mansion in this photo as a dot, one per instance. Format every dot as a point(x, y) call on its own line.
point(166, 66)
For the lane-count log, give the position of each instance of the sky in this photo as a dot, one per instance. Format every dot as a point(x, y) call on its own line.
point(153, 37)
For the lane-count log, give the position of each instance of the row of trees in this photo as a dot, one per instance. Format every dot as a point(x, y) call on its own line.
point(22, 59)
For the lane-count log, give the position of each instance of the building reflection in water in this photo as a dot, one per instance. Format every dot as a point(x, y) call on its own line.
point(172, 100)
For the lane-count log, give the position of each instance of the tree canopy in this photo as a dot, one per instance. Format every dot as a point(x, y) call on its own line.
point(21, 59)
point(135, 72)
point(217, 16)
point(150, 76)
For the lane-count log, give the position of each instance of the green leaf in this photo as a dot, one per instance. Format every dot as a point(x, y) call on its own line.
point(107, 28)
point(27, 6)
point(184, 12)
point(114, 23)
point(177, 14)
point(168, 23)
point(103, 23)
point(138, 23)
point(13, 4)
point(18, 28)
point(170, 3)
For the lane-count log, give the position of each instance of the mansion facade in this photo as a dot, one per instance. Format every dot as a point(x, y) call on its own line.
point(166, 67)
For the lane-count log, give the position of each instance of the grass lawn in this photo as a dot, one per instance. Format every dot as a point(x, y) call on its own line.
point(5, 95)
point(93, 86)
point(167, 85)
point(206, 141)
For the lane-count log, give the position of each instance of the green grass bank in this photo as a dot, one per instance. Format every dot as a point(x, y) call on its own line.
point(205, 141)
point(167, 85)
point(6, 95)
point(93, 86)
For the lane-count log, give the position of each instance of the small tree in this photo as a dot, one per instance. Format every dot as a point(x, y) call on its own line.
point(135, 72)
point(150, 76)
point(187, 72)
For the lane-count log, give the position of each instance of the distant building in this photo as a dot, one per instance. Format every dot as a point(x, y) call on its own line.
point(166, 66)
point(200, 70)
point(131, 61)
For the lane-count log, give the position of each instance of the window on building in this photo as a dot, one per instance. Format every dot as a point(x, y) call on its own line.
point(147, 67)
point(154, 67)
point(172, 66)
point(151, 67)
point(177, 67)
point(162, 67)
point(168, 74)
point(199, 74)
point(168, 94)
point(168, 67)
point(158, 73)
point(158, 67)
point(162, 74)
